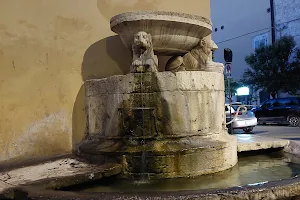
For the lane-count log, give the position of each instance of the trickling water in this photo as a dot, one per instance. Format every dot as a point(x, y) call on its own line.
point(143, 157)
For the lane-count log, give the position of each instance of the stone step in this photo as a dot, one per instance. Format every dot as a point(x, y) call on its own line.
point(57, 174)
point(247, 142)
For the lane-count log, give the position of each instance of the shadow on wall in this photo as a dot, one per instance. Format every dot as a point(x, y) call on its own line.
point(102, 59)
point(105, 58)
point(78, 119)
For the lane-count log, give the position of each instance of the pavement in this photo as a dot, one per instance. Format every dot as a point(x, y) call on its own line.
point(270, 136)
point(275, 131)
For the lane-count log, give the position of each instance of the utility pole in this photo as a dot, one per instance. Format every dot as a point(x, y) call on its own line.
point(272, 20)
point(228, 61)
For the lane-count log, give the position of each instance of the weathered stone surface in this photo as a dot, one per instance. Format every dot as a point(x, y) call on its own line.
point(181, 158)
point(214, 67)
point(174, 121)
point(195, 60)
point(143, 58)
point(185, 103)
point(56, 174)
point(4, 186)
point(171, 32)
point(254, 142)
point(154, 82)
point(292, 147)
point(190, 112)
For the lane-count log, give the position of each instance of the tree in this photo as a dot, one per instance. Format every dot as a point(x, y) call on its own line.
point(234, 85)
point(275, 67)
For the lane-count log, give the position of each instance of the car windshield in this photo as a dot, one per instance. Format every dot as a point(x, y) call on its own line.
point(227, 107)
point(235, 107)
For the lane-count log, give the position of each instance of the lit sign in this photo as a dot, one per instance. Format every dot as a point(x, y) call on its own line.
point(242, 91)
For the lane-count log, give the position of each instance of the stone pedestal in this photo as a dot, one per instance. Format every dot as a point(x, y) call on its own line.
point(162, 125)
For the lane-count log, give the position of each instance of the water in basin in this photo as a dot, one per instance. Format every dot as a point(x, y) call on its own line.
point(252, 168)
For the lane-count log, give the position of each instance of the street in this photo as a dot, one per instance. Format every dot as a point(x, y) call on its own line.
point(278, 131)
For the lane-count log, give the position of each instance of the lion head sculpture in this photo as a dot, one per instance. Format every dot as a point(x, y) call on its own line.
point(204, 48)
point(143, 58)
point(202, 52)
point(208, 46)
point(142, 41)
point(196, 59)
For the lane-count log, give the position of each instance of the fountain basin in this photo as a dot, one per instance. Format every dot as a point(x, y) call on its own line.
point(257, 176)
point(172, 32)
point(161, 125)
point(253, 169)
point(159, 159)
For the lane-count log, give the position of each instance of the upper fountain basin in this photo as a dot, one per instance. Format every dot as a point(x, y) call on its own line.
point(172, 33)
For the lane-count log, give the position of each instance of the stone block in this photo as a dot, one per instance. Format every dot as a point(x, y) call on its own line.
point(199, 80)
point(189, 158)
point(95, 87)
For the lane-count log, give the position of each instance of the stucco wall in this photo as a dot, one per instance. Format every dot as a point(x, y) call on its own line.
point(47, 50)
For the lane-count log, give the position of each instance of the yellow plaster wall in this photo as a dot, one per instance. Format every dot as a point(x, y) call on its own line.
point(47, 49)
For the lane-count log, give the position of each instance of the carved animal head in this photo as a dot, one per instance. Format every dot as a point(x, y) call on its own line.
point(208, 46)
point(142, 40)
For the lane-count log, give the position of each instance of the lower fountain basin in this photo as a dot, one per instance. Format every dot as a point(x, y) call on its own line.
point(271, 175)
point(252, 169)
point(183, 157)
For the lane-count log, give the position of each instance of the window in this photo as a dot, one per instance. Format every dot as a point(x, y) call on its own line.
point(287, 102)
point(269, 103)
point(283, 102)
point(260, 40)
point(295, 102)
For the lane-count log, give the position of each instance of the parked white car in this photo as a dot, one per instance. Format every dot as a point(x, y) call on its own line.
point(244, 120)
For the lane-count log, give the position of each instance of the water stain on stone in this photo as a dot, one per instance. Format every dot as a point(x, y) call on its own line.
point(10, 35)
point(3, 27)
point(27, 24)
point(71, 24)
point(67, 27)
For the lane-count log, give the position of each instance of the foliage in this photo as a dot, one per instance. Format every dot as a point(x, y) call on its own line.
point(275, 67)
point(234, 85)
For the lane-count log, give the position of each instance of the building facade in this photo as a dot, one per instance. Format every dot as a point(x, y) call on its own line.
point(287, 19)
point(240, 25)
point(244, 25)
point(287, 22)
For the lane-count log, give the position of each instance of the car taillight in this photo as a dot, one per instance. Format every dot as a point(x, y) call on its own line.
point(240, 113)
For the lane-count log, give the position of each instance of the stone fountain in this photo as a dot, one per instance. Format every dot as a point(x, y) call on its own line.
point(157, 125)
point(161, 124)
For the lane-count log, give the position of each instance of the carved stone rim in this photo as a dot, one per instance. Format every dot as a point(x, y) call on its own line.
point(160, 15)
